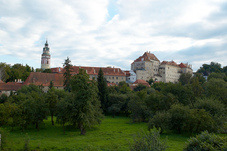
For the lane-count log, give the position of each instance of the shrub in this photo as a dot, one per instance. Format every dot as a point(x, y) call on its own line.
point(148, 141)
point(160, 120)
point(3, 139)
point(206, 142)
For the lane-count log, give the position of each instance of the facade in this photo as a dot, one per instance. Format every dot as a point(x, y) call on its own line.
point(130, 76)
point(148, 66)
point(112, 75)
point(45, 59)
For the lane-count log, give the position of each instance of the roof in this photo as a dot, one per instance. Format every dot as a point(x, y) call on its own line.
point(147, 56)
point(56, 70)
point(127, 73)
point(38, 78)
point(10, 86)
point(172, 63)
point(95, 70)
point(182, 65)
point(143, 82)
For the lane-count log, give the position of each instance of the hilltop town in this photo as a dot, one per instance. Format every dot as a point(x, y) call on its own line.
point(144, 68)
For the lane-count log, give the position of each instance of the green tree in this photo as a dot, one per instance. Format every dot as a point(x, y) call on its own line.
point(64, 110)
point(139, 87)
point(216, 76)
point(160, 120)
point(67, 74)
point(51, 84)
point(103, 92)
point(150, 81)
point(185, 78)
point(217, 88)
point(52, 99)
point(86, 102)
point(207, 69)
point(148, 141)
point(206, 142)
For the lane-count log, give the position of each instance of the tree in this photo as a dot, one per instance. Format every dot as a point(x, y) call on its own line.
point(150, 81)
point(51, 84)
point(217, 88)
point(206, 69)
point(161, 120)
point(148, 141)
point(88, 112)
point(67, 74)
point(64, 110)
point(185, 78)
point(103, 92)
point(206, 142)
point(139, 87)
point(52, 100)
point(217, 76)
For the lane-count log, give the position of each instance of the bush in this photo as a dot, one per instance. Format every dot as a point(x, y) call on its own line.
point(160, 120)
point(3, 139)
point(148, 141)
point(206, 142)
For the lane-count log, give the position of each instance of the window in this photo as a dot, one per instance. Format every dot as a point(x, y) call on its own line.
point(116, 77)
point(113, 77)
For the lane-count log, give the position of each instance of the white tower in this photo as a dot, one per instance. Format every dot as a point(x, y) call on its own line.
point(45, 59)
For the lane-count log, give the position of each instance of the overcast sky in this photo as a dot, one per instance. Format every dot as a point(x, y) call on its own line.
point(113, 32)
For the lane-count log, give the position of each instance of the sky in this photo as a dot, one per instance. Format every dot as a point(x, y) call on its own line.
point(113, 32)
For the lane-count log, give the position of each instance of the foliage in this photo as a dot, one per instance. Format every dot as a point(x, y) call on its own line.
point(148, 141)
point(12, 73)
point(160, 120)
point(185, 78)
point(67, 74)
point(140, 87)
point(179, 115)
point(217, 76)
point(88, 112)
point(52, 99)
point(207, 69)
point(103, 92)
point(217, 88)
point(3, 98)
point(138, 109)
point(207, 142)
point(150, 81)
point(3, 140)
point(117, 103)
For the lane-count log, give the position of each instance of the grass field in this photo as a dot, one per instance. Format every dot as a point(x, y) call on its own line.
point(112, 134)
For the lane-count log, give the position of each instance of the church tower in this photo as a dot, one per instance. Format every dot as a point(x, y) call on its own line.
point(45, 60)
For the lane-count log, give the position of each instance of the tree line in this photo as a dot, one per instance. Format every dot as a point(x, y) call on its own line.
point(190, 106)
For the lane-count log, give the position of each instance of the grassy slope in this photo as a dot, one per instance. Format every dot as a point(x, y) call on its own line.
point(112, 134)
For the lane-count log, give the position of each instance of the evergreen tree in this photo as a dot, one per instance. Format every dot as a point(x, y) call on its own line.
point(67, 75)
point(103, 92)
point(86, 102)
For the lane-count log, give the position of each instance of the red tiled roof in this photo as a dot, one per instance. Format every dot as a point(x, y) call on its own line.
point(172, 63)
point(143, 82)
point(56, 70)
point(182, 65)
point(10, 86)
point(95, 70)
point(44, 79)
point(1, 81)
point(147, 56)
point(111, 84)
point(127, 73)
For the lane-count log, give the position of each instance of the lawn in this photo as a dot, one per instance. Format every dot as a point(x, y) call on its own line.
point(112, 134)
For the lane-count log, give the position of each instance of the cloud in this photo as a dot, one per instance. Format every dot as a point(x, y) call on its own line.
point(109, 32)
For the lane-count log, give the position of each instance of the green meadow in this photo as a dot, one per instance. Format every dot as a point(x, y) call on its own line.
point(112, 134)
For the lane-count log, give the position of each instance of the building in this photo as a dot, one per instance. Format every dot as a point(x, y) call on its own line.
point(130, 76)
point(148, 66)
point(7, 88)
point(44, 79)
point(45, 59)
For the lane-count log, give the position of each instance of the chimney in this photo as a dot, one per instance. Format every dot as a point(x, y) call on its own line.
point(117, 69)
